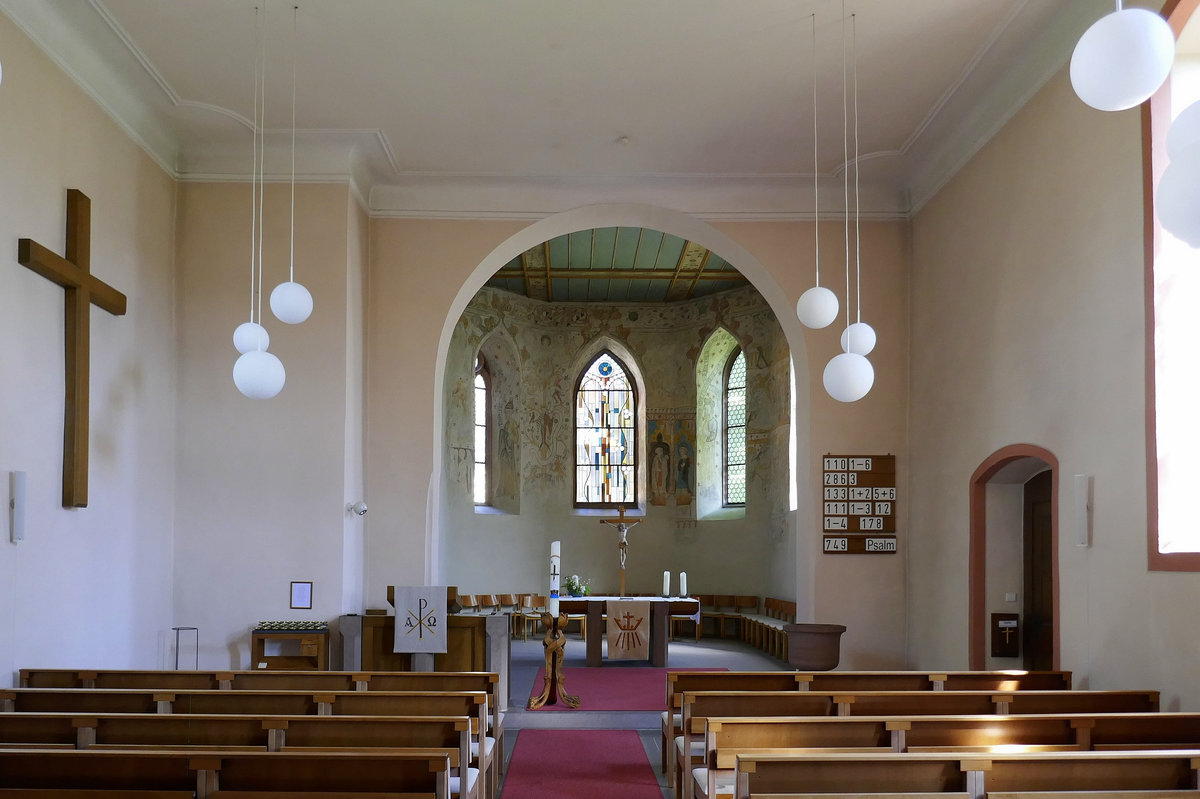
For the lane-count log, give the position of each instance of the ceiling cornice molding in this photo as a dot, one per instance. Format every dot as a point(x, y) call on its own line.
point(110, 74)
point(716, 197)
point(1001, 81)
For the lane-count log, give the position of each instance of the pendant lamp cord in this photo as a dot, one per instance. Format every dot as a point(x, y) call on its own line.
point(857, 214)
point(816, 196)
point(262, 155)
point(846, 160)
point(292, 253)
point(254, 161)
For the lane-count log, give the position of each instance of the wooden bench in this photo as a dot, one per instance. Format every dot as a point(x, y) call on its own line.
point(896, 703)
point(473, 704)
point(681, 680)
point(258, 679)
point(390, 772)
point(783, 771)
point(959, 734)
point(237, 732)
point(686, 680)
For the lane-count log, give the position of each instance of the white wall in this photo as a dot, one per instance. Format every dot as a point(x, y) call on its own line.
point(88, 587)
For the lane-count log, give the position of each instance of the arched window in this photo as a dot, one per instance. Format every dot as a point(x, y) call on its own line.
point(605, 439)
point(1171, 331)
point(735, 429)
point(482, 439)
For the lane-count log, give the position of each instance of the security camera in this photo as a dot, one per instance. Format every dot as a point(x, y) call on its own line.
point(358, 508)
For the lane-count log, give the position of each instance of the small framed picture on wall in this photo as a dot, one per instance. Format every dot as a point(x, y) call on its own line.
point(302, 594)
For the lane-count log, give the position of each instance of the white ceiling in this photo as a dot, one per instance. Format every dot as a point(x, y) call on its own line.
point(519, 108)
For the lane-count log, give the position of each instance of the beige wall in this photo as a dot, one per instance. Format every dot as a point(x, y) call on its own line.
point(262, 484)
point(1028, 328)
point(90, 585)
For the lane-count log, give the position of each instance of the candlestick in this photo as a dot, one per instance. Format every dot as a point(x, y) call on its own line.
point(683, 584)
point(666, 583)
point(555, 560)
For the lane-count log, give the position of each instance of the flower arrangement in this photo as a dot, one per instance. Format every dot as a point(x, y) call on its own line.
point(576, 586)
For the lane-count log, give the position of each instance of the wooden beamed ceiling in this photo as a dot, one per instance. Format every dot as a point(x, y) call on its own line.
point(617, 265)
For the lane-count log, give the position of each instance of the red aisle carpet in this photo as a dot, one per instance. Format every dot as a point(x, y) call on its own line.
point(580, 764)
point(611, 688)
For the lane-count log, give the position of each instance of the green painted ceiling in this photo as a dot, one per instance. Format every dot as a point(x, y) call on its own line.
point(617, 264)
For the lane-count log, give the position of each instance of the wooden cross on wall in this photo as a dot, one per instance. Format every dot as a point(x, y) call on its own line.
point(622, 524)
point(82, 291)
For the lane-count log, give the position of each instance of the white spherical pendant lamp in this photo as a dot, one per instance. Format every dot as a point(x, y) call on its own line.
point(251, 336)
point(817, 307)
point(1177, 201)
point(848, 377)
point(1122, 59)
point(291, 303)
point(259, 375)
point(858, 338)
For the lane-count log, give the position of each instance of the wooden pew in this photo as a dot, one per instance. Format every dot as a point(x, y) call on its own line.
point(724, 736)
point(679, 681)
point(693, 680)
point(891, 703)
point(792, 772)
point(387, 772)
point(473, 704)
point(280, 680)
point(237, 732)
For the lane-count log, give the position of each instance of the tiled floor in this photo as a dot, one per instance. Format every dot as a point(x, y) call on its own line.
point(528, 657)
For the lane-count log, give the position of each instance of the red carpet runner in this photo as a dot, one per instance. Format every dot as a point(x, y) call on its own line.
point(611, 688)
point(580, 764)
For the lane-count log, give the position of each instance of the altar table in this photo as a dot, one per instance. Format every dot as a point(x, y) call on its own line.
point(661, 610)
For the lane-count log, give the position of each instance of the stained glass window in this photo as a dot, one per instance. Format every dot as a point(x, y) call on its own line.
point(605, 440)
point(481, 434)
point(735, 430)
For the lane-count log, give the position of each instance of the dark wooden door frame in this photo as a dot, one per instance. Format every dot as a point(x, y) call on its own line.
point(977, 559)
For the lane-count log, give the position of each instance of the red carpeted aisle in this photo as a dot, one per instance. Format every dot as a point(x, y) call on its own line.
point(580, 764)
point(612, 688)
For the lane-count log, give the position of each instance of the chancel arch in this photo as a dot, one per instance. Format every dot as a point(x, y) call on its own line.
point(554, 341)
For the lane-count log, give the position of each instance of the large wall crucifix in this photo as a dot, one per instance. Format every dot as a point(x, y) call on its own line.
point(82, 291)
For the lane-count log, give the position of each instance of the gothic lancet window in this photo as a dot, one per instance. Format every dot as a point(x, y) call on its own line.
point(735, 430)
point(605, 435)
point(482, 439)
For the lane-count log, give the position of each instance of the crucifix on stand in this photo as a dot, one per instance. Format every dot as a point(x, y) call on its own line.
point(82, 291)
point(623, 543)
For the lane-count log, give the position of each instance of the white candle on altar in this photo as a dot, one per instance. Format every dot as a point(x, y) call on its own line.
point(683, 584)
point(555, 559)
point(666, 583)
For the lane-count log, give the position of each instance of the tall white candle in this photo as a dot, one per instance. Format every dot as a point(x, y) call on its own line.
point(666, 583)
point(683, 584)
point(555, 559)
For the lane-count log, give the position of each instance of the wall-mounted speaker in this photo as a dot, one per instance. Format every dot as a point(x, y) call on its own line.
point(1083, 510)
point(16, 506)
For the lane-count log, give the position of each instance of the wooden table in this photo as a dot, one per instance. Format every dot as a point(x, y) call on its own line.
point(661, 609)
point(314, 649)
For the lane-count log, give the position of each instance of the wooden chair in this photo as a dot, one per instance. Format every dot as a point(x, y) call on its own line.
point(531, 615)
point(679, 619)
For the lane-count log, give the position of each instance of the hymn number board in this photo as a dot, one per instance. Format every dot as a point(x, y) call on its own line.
point(858, 504)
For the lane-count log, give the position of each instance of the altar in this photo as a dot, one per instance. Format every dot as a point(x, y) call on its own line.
point(661, 610)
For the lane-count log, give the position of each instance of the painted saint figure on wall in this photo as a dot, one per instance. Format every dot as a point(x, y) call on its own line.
point(660, 471)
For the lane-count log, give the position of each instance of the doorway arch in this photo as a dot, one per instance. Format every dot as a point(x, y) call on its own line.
point(599, 216)
point(977, 559)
